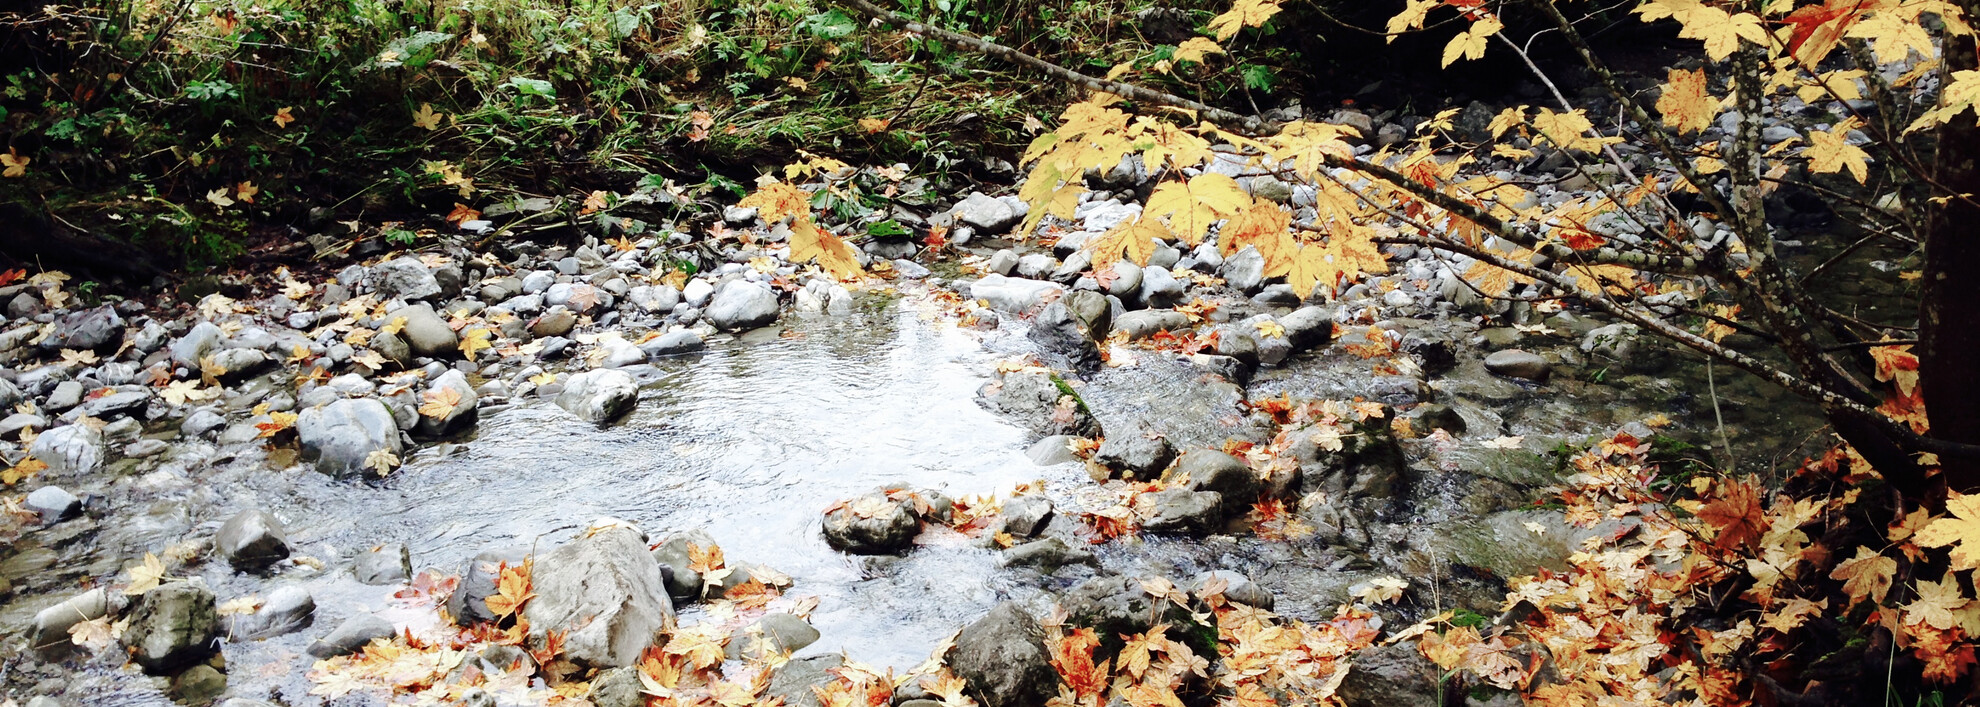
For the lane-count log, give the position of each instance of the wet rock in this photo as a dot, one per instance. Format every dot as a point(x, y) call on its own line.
point(405, 278)
point(599, 396)
point(235, 365)
point(1040, 402)
point(469, 602)
point(201, 422)
point(121, 403)
point(426, 332)
point(1160, 288)
point(1226, 475)
point(198, 685)
point(1236, 342)
point(872, 524)
point(740, 305)
point(11, 426)
point(1390, 675)
point(54, 503)
point(1435, 353)
point(1245, 271)
point(1518, 363)
point(252, 540)
point(386, 564)
point(340, 437)
point(1003, 659)
point(199, 341)
point(463, 413)
point(794, 680)
point(1145, 323)
point(1308, 327)
point(1046, 555)
point(1236, 587)
point(173, 626)
point(604, 592)
point(69, 450)
point(1003, 262)
point(67, 394)
point(1026, 516)
point(1332, 525)
point(1184, 511)
point(618, 687)
point(618, 353)
point(1013, 294)
point(774, 633)
point(51, 625)
point(351, 635)
point(697, 292)
point(1136, 449)
point(1051, 450)
point(556, 322)
point(1061, 336)
point(1127, 280)
point(87, 330)
point(676, 557)
point(1114, 606)
point(986, 214)
point(674, 343)
point(1436, 416)
point(287, 610)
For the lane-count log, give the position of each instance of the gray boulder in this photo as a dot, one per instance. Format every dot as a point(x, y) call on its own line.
point(469, 602)
point(404, 278)
point(774, 633)
point(1395, 674)
point(618, 687)
point(986, 214)
point(1518, 363)
point(252, 540)
point(1136, 449)
point(1051, 450)
point(51, 625)
point(87, 330)
point(888, 526)
point(793, 682)
point(1012, 294)
point(1060, 335)
point(69, 450)
point(1308, 327)
point(53, 503)
point(599, 396)
point(1046, 555)
point(173, 626)
point(675, 557)
point(464, 412)
point(1184, 511)
point(603, 591)
point(199, 341)
point(1160, 288)
point(740, 305)
point(351, 636)
point(1226, 475)
point(674, 343)
point(1236, 587)
point(556, 322)
point(1026, 516)
point(1003, 659)
point(1141, 324)
point(1245, 271)
point(426, 332)
point(341, 436)
point(1034, 399)
point(287, 610)
point(386, 564)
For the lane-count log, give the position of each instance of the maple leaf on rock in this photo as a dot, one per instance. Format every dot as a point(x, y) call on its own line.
point(145, 575)
point(440, 402)
point(512, 589)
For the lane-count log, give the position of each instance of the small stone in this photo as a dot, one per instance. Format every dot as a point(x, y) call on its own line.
point(252, 540)
point(599, 396)
point(556, 322)
point(1046, 554)
point(352, 635)
point(404, 278)
point(51, 625)
point(604, 593)
point(986, 214)
point(779, 632)
point(1026, 516)
point(173, 626)
point(342, 436)
point(1135, 449)
point(1228, 476)
point(53, 503)
point(1051, 450)
point(890, 527)
point(1003, 659)
point(386, 564)
point(740, 305)
point(198, 685)
point(1184, 511)
point(286, 610)
point(1236, 587)
point(674, 343)
point(426, 332)
point(1518, 363)
point(69, 450)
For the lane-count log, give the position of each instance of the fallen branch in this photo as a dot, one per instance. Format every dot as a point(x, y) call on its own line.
point(1250, 125)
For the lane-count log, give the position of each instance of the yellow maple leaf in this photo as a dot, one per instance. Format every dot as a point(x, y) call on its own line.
point(1829, 151)
point(1894, 36)
point(1412, 17)
point(1961, 530)
point(1470, 44)
point(16, 164)
point(809, 243)
point(1935, 604)
point(1686, 104)
point(439, 402)
point(283, 116)
point(1196, 48)
point(145, 575)
point(1133, 241)
point(512, 589)
point(1866, 576)
point(1244, 13)
point(873, 125)
point(1262, 225)
point(245, 191)
point(1191, 207)
point(774, 201)
point(473, 341)
point(426, 117)
point(382, 461)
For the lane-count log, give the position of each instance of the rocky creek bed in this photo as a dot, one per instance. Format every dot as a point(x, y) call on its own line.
point(303, 461)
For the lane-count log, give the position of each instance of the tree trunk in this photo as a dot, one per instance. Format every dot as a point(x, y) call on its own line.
point(1949, 310)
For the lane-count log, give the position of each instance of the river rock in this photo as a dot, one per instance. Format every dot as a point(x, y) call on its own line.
point(201, 422)
point(1308, 327)
point(51, 625)
point(1135, 449)
point(87, 330)
point(404, 278)
point(599, 396)
point(674, 343)
point(1003, 262)
point(1184, 511)
point(1245, 271)
point(774, 633)
point(1003, 659)
point(53, 503)
point(124, 402)
point(1033, 398)
point(1127, 280)
point(173, 626)
point(618, 687)
point(1141, 324)
point(286, 610)
point(252, 540)
point(1026, 516)
point(199, 341)
point(426, 332)
point(1160, 288)
point(1395, 674)
point(468, 604)
point(1062, 338)
point(603, 591)
point(889, 525)
point(556, 322)
point(69, 450)
point(676, 558)
point(198, 685)
point(794, 680)
point(67, 394)
point(340, 437)
point(1236, 587)
point(351, 636)
point(386, 564)
point(986, 214)
point(1013, 294)
point(1047, 555)
point(463, 413)
point(740, 305)
point(1048, 451)
point(1518, 363)
point(1226, 475)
